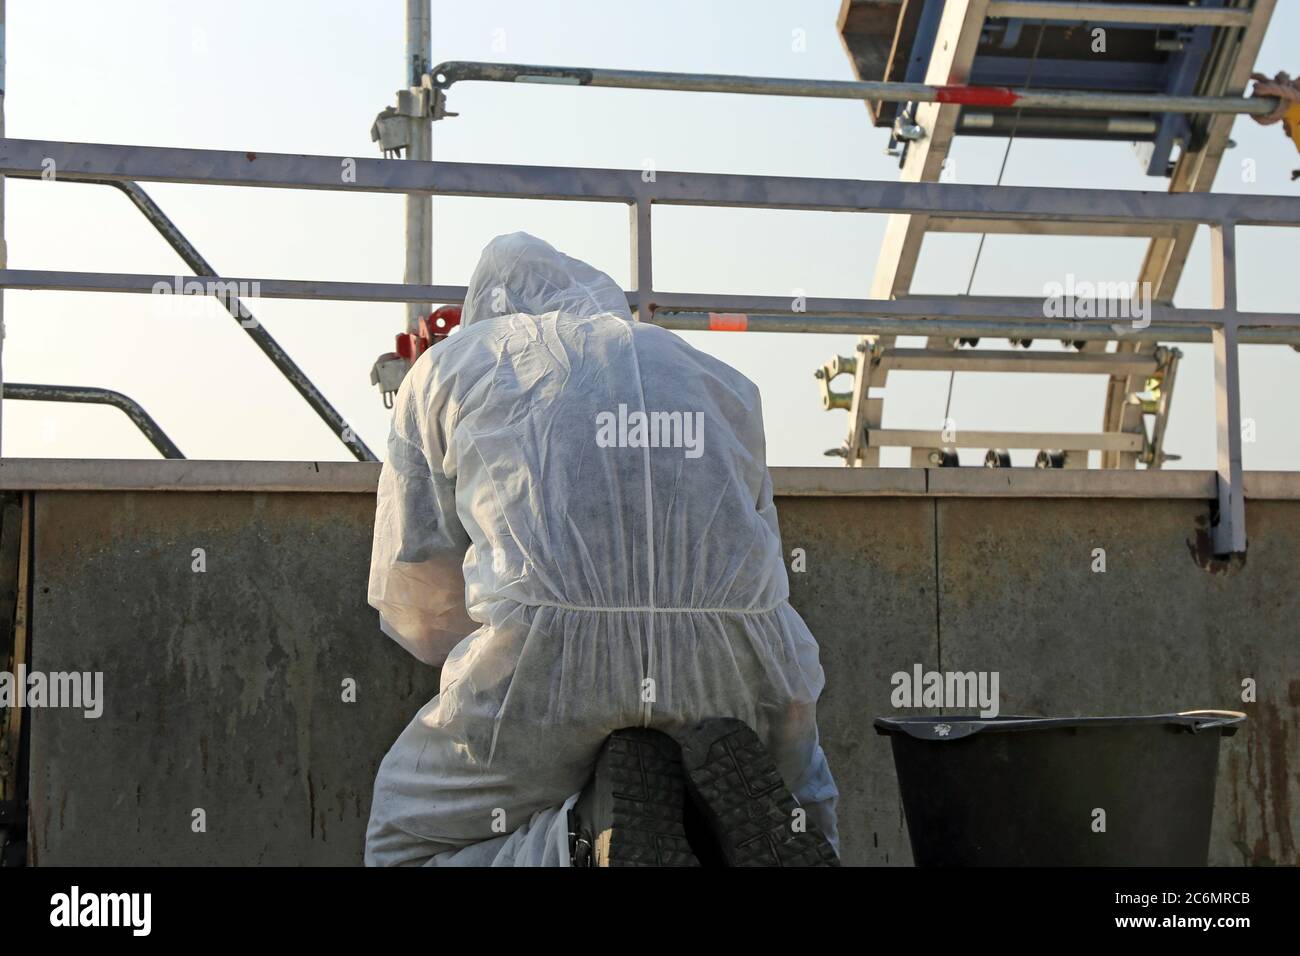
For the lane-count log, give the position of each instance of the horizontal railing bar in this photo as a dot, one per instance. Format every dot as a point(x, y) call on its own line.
point(59, 160)
point(956, 328)
point(724, 306)
point(446, 74)
point(924, 308)
point(249, 289)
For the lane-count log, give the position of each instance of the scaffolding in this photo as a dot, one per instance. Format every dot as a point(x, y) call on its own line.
point(1214, 56)
point(1192, 66)
point(1223, 324)
point(1141, 370)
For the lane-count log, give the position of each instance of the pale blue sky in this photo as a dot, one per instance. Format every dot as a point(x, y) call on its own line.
point(296, 76)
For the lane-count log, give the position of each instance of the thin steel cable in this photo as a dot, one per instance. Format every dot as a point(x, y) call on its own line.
point(1011, 138)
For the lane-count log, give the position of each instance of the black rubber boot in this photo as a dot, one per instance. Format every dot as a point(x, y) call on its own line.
point(631, 812)
point(732, 779)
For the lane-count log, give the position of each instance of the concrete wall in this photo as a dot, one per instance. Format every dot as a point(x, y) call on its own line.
point(224, 688)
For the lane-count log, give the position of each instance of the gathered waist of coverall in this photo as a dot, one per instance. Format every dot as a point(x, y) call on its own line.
point(652, 625)
point(649, 608)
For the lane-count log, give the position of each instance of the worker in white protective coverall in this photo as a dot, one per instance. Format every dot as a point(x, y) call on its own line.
point(575, 520)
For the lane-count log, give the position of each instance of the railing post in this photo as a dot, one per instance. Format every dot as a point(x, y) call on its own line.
point(1230, 532)
point(642, 274)
point(419, 208)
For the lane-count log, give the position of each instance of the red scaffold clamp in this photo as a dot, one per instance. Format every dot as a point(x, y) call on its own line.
point(431, 330)
point(391, 367)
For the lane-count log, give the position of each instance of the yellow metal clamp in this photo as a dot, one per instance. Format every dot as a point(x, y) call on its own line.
point(837, 366)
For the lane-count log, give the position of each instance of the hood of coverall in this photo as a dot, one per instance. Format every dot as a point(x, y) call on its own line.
point(519, 273)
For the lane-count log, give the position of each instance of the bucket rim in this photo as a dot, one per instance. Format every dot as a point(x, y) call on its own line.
point(957, 726)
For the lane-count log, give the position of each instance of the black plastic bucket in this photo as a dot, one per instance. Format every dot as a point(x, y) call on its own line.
point(1059, 791)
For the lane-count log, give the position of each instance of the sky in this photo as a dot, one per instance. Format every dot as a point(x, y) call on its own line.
point(308, 76)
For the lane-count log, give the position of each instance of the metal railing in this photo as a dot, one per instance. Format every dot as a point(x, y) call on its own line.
point(444, 75)
point(85, 395)
point(1086, 210)
point(238, 310)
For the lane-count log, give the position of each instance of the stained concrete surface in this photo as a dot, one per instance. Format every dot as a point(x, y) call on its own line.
point(1154, 633)
point(224, 688)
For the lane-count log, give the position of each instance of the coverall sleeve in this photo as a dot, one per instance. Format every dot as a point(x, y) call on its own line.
point(416, 578)
point(755, 440)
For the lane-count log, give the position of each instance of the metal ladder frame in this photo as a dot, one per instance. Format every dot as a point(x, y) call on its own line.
point(952, 54)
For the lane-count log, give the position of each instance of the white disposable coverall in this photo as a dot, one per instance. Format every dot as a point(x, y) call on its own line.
point(616, 577)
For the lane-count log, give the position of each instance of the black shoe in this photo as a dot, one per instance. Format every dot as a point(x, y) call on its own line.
point(630, 814)
point(732, 779)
